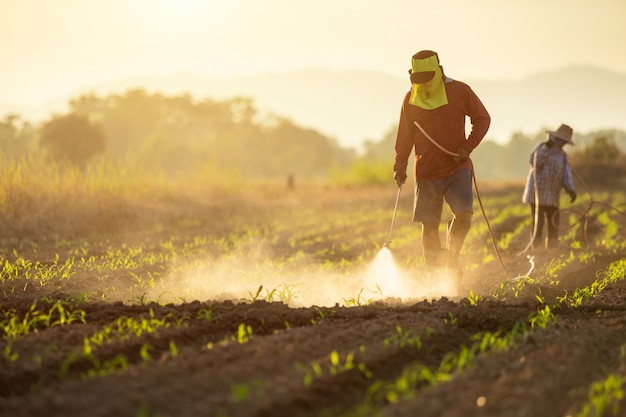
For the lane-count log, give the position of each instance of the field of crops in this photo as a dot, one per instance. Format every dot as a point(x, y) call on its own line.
point(268, 301)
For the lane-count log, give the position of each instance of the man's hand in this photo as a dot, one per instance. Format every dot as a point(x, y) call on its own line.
point(400, 177)
point(572, 196)
point(462, 155)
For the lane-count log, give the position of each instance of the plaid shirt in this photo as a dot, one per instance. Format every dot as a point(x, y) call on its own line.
point(553, 173)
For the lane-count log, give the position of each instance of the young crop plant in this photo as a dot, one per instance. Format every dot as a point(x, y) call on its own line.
point(604, 396)
point(520, 285)
point(336, 366)
point(13, 325)
point(125, 327)
point(287, 293)
point(241, 393)
point(597, 218)
point(205, 314)
point(496, 342)
point(37, 272)
point(107, 367)
point(554, 266)
point(151, 281)
point(587, 257)
point(456, 362)
point(256, 296)
point(83, 298)
point(358, 301)
point(99, 368)
point(322, 315)
point(406, 386)
point(415, 375)
point(474, 299)
point(243, 335)
point(141, 300)
point(121, 329)
point(7, 352)
point(505, 240)
point(63, 373)
point(173, 349)
point(542, 318)
point(144, 352)
point(450, 319)
point(615, 272)
point(402, 338)
point(12, 271)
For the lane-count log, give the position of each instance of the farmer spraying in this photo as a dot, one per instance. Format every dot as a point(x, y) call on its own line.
point(432, 121)
point(549, 173)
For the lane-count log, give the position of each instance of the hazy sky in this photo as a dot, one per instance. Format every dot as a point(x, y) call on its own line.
point(48, 48)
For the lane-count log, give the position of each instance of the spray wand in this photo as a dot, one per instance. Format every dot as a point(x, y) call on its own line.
point(393, 218)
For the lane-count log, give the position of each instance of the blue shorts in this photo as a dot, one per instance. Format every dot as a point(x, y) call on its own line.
point(429, 195)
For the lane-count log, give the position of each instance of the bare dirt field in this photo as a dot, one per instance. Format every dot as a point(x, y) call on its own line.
point(389, 357)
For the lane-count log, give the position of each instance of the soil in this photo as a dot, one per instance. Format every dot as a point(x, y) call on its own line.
point(218, 367)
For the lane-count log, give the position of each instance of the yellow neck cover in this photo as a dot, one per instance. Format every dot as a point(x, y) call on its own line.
point(431, 94)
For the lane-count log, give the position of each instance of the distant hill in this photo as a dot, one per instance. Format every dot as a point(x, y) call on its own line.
point(586, 98)
point(353, 106)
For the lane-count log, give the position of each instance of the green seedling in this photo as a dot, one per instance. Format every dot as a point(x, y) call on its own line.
point(244, 333)
point(256, 296)
point(402, 338)
point(335, 367)
point(205, 314)
point(604, 396)
point(474, 299)
point(450, 318)
point(542, 318)
point(322, 315)
point(242, 393)
point(358, 301)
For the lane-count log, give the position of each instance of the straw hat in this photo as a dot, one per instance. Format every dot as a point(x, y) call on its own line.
point(563, 132)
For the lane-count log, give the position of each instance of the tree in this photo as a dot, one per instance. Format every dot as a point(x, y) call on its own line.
point(16, 136)
point(180, 135)
point(602, 149)
point(72, 138)
point(601, 163)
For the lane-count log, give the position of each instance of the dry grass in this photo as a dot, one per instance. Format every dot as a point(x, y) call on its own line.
point(42, 201)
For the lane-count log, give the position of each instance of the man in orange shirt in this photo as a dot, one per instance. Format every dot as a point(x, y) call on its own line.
point(432, 121)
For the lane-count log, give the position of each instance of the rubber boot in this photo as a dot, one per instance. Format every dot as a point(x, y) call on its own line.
point(457, 231)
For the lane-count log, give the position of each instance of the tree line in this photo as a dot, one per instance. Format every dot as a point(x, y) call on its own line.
point(176, 135)
point(180, 135)
point(599, 157)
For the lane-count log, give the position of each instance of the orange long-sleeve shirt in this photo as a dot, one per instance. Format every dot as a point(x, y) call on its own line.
point(446, 125)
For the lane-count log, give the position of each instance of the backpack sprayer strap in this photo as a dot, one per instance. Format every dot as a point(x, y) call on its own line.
point(434, 142)
point(493, 240)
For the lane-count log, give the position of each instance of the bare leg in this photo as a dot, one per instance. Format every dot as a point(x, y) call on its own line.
point(457, 232)
point(433, 253)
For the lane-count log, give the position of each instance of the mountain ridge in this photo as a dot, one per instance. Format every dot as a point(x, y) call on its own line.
point(357, 106)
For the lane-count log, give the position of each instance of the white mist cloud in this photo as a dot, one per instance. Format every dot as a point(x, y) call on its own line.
point(252, 272)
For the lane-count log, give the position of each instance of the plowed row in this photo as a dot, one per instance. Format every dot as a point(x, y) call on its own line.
point(233, 358)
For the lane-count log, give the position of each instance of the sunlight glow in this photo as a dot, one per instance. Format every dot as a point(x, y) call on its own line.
point(167, 7)
point(176, 20)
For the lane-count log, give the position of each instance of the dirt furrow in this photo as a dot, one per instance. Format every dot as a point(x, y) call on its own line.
point(547, 373)
point(271, 368)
